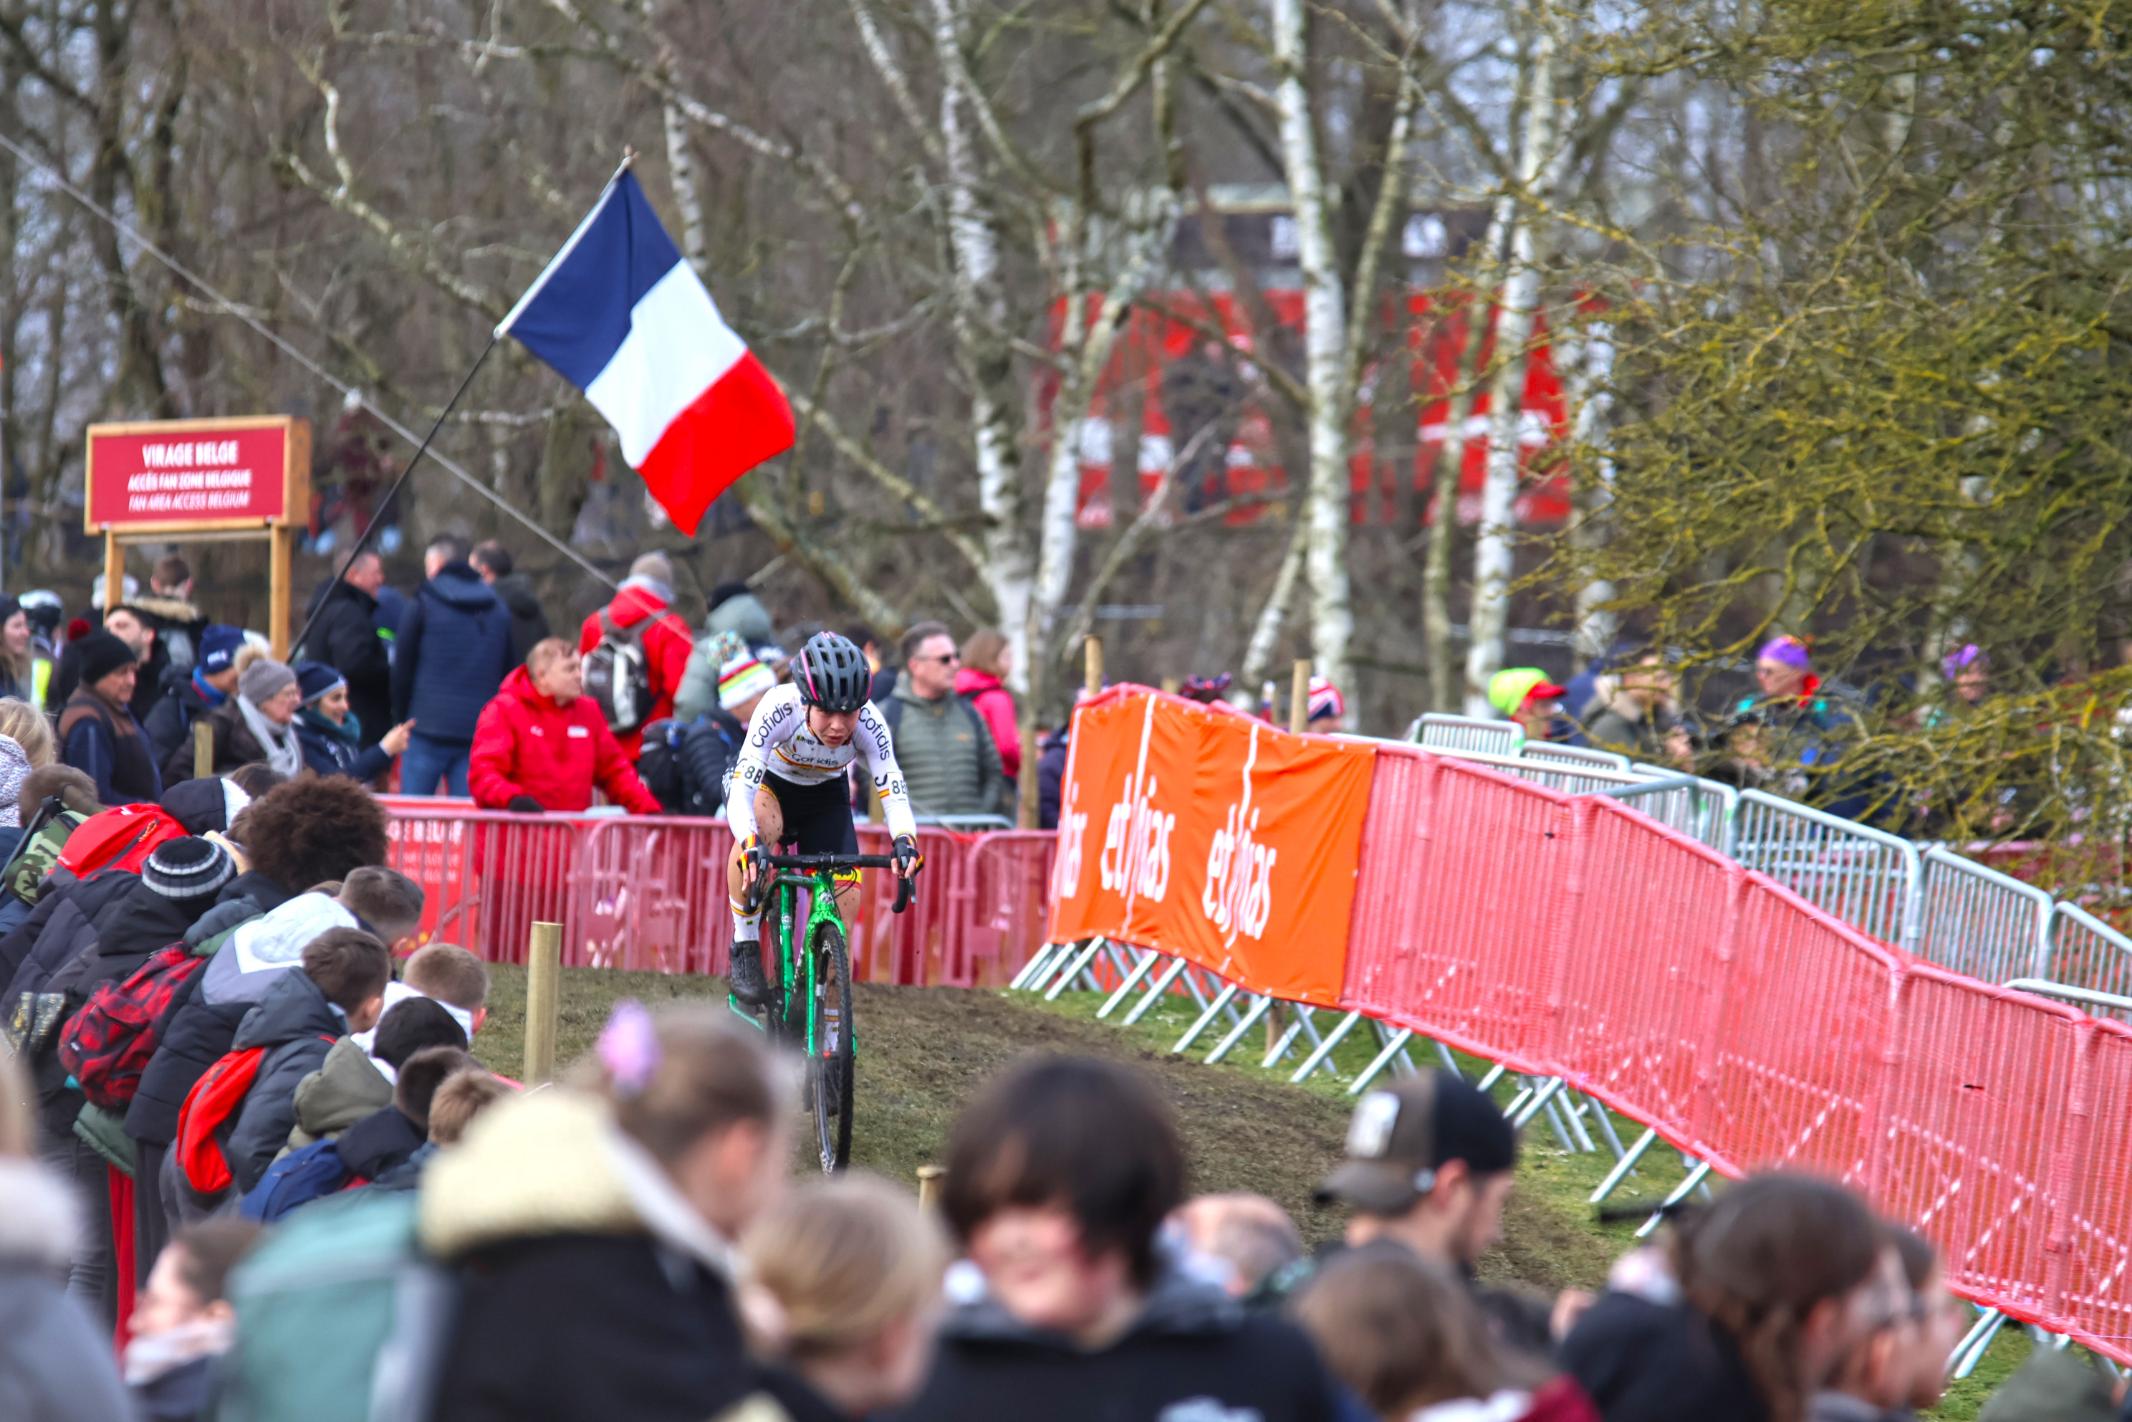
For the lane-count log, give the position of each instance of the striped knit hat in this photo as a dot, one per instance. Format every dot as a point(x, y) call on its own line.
point(743, 679)
point(188, 868)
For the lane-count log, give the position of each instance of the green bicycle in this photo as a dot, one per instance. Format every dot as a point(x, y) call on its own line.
point(810, 993)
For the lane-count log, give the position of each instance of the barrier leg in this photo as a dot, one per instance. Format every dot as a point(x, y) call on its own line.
point(1541, 1099)
point(1066, 954)
point(544, 971)
point(1392, 1048)
point(1324, 1050)
point(1680, 1192)
point(1296, 1022)
point(1495, 1074)
point(1236, 1034)
point(1126, 985)
point(1154, 994)
point(1971, 1350)
point(1572, 1121)
point(1033, 971)
point(1073, 970)
point(1622, 1167)
point(1449, 1061)
point(1221, 1000)
point(1605, 1118)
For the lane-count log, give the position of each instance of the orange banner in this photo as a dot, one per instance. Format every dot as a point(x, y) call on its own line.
point(1212, 836)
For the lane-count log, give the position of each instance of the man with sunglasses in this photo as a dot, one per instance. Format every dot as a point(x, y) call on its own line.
point(949, 759)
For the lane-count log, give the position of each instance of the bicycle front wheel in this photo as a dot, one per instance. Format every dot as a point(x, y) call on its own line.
point(832, 1059)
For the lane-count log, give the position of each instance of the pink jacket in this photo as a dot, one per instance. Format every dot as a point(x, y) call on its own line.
point(996, 704)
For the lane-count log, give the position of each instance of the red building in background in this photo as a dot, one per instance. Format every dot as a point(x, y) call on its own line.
point(1186, 360)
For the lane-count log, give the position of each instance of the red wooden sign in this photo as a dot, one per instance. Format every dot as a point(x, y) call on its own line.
point(198, 475)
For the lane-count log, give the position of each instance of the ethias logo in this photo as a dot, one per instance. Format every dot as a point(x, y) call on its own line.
point(1136, 843)
point(1239, 892)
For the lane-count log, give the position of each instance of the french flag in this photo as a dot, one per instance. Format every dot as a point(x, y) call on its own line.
point(622, 317)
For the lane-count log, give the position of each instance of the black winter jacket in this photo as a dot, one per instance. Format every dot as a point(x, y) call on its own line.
point(663, 1328)
point(204, 1017)
point(453, 651)
point(297, 1026)
point(380, 1142)
point(54, 965)
point(708, 746)
point(345, 638)
point(529, 622)
point(169, 724)
point(1646, 1362)
point(1193, 1351)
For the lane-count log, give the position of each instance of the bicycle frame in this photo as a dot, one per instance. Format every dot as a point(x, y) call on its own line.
point(795, 962)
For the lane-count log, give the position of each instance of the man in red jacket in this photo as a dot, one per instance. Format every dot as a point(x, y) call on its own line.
point(644, 603)
point(540, 745)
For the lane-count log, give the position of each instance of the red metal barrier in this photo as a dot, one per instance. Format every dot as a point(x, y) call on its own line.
point(1578, 938)
point(649, 894)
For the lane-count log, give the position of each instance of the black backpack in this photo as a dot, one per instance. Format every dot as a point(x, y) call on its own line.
point(659, 765)
point(617, 676)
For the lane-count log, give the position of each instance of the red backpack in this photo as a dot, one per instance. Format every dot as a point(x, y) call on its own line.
point(106, 1045)
point(120, 838)
point(213, 1103)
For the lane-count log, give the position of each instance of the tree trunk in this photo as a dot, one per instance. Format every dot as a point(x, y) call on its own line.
point(1492, 546)
point(1328, 505)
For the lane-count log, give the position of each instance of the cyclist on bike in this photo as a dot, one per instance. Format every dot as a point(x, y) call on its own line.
point(788, 785)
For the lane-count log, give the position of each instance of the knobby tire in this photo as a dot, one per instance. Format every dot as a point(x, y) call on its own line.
point(832, 1075)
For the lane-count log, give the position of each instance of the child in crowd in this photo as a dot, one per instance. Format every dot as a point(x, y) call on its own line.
point(183, 1322)
point(1410, 1340)
point(843, 1295)
point(353, 1083)
point(463, 1096)
point(340, 990)
point(382, 1143)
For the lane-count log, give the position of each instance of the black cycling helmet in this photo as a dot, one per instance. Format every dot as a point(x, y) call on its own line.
point(831, 672)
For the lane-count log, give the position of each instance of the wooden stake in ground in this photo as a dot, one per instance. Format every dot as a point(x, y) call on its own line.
point(1092, 665)
point(544, 972)
point(929, 1178)
point(203, 749)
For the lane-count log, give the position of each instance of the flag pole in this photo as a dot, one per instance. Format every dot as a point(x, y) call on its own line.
point(377, 515)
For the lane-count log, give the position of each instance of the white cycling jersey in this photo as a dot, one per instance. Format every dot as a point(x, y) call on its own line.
point(780, 744)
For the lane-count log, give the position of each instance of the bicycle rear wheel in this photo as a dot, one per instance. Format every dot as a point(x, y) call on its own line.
point(831, 1064)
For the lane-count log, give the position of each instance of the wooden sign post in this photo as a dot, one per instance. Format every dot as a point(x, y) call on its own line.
point(198, 481)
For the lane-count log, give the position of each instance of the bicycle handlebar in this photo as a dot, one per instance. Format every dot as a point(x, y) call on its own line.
point(906, 889)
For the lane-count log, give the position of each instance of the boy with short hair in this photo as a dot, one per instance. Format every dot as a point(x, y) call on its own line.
point(340, 990)
point(352, 1083)
point(377, 1147)
point(463, 1096)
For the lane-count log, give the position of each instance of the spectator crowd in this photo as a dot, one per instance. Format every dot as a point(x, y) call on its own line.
point(462, 688)
point(253, 1165)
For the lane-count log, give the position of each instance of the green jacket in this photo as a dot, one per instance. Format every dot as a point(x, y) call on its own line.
point(340, 1093)
point(947, 757)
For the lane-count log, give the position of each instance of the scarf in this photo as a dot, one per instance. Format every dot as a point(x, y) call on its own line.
point(283, 751)
point(207, 693)
point(349, 731)
point(151, 1356)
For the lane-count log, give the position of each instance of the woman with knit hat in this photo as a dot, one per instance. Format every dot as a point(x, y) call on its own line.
point(332, 737)
point(257, 725)
point(97, 733)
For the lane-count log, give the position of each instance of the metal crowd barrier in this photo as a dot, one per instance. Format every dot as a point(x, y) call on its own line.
point(1729, 1011)
point(1981, 922)
point(1465, 735)
point(2087, 953)
point(649, 893)
point(1866, 877)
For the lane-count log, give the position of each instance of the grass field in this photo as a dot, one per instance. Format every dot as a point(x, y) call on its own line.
point(923, 1052)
